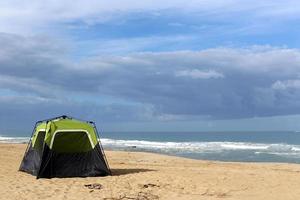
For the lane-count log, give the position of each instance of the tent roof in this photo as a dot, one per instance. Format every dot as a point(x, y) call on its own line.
point(53, 126)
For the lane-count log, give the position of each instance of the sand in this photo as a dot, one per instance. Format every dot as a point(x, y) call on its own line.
point(152, 176)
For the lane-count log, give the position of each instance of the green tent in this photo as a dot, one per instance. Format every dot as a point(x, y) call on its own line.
point(64, 147)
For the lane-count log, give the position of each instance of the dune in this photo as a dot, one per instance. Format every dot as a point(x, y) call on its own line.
point(147, 176)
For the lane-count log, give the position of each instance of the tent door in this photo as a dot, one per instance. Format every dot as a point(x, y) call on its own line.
point(71, 142)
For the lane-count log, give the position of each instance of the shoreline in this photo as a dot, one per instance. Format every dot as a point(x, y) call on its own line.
point(143, 175)
point(206, 160)
point(182, 157)
point(221, 150)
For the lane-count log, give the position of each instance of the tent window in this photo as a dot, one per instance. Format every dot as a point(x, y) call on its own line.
point(39, 142)
point(71, 142)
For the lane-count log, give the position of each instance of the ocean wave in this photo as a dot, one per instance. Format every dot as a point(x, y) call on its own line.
point(202, 147)
point(188, 146)
point(280, 149)
point(14, 140)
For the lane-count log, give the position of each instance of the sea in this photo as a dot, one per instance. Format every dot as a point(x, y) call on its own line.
point(238, 146)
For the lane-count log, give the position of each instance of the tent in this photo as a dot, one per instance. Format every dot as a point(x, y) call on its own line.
point(64, 147)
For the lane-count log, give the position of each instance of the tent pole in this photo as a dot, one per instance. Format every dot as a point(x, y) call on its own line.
point(28, 144)
point(54, 118)
point(39, 169)
point(95, 128)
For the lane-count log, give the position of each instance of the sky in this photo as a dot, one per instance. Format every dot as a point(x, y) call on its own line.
point(198, 65)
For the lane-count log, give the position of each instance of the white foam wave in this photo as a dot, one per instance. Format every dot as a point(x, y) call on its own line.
point(203, 147)
point(16, 140)
point(286, 150)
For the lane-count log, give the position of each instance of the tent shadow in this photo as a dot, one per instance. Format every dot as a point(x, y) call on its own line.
point(119, 172)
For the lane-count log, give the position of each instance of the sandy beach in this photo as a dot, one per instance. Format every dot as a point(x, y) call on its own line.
point(152, 176)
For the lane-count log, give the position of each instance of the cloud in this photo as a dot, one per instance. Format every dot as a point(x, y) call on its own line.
point(228, 82)
point(19, 112)
point(18, 16)
point(148, 60)
point(287, 84)
point(123, 46)
point(198, 74)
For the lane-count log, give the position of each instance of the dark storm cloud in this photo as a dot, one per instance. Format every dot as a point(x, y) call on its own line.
point(220, 83)
point(19, 113)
